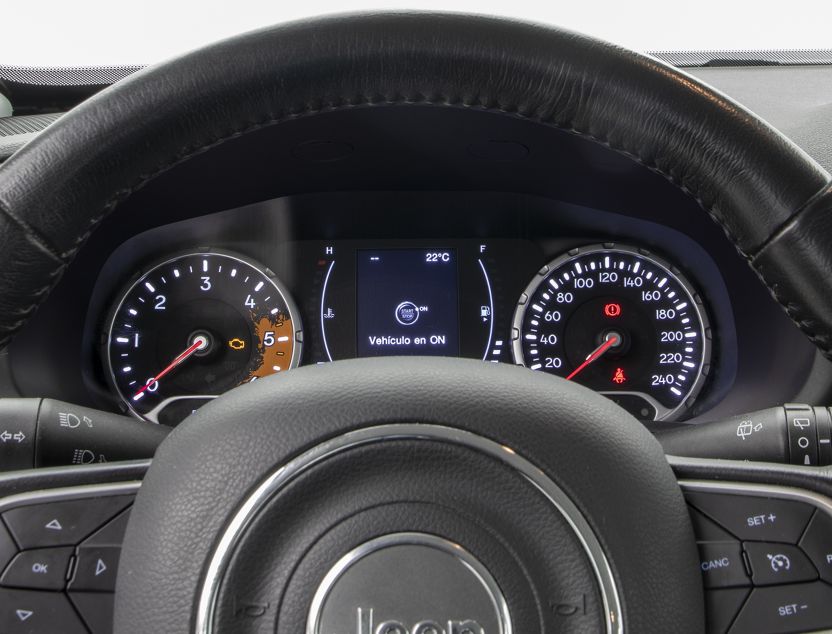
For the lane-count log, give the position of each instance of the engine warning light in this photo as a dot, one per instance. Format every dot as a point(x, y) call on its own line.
point(618, 377)
point(236, 344)
point(612, 310)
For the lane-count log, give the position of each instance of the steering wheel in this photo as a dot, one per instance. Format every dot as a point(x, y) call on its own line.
point(420, 495)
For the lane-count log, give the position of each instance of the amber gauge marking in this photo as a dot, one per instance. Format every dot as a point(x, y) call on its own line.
point(275, 340)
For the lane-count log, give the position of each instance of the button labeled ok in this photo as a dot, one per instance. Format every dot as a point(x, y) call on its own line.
point(40, 569)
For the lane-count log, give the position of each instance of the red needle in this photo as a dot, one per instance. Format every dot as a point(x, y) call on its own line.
point(199, 342)
point(596, 354)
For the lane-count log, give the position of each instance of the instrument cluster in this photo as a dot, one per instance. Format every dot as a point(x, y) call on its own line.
point(170, 317)
point(614, 317)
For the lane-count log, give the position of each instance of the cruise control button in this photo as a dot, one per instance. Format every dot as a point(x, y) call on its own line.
point(41, 569)
point(817, 544)
point(781, 609)
point(722, 607)
point(29, 612)
point(773, 564)
point(96, 569)
point(722, 565)
point(755, 518)
point(96, 608)
point(62, 523)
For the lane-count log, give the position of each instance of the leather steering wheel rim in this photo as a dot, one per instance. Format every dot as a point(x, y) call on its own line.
point(769, 197)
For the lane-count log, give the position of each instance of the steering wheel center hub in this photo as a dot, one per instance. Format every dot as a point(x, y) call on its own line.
point(409, 582)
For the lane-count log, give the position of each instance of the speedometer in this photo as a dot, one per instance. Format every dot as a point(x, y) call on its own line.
point(621, 321)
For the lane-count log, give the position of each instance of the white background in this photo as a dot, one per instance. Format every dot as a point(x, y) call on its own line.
point(84, 32)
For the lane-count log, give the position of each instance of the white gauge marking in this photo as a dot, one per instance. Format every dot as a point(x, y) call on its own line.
point(667, 308)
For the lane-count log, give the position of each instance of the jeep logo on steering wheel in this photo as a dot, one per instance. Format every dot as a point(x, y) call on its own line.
point(366, 625)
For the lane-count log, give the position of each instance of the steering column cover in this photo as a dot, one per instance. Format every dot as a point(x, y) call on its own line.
point(749, 178)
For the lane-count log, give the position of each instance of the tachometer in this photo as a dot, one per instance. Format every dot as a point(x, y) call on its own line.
point(620, 321)
point(196, 326)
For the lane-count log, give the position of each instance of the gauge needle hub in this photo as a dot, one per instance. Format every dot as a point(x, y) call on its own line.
point(199, 343)
point(610, 340)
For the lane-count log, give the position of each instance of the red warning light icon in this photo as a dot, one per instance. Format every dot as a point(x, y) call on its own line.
point(612, 310)
point(619, 377)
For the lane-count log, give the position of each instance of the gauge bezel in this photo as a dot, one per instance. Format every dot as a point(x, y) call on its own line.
point(127, 288)
point(662, 413)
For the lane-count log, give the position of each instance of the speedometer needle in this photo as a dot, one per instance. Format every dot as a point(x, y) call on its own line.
point(199, 342)
point(610, 341)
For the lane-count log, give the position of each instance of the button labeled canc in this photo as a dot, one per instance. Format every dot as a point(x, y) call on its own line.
point(721, 565)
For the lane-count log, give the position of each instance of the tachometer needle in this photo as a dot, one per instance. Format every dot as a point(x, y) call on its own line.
point(610, 341)
point(199, 342)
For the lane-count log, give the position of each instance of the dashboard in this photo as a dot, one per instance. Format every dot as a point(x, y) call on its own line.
point(510, 244)
point(635, 309)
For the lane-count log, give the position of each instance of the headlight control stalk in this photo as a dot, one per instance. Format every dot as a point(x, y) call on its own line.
point(791, 434)
point(37, 432)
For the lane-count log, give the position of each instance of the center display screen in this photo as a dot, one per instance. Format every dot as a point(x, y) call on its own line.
point(407, 302)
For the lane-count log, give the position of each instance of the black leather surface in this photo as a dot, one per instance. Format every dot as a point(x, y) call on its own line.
point(796, 263)
point(56, 190)
point(411, 486)
point(606, 461)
